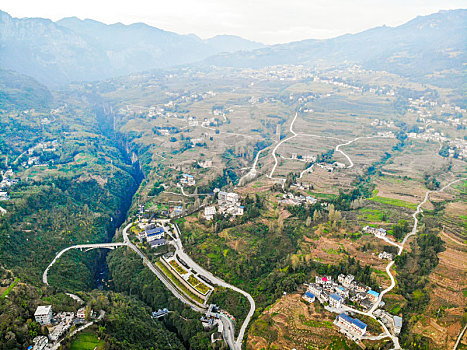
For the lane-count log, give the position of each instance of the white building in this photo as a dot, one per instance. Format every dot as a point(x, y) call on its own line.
point(397, 324)
point(335, 301)
point(308, 296)
point(81, 314)
point(385, 255)
point(40, 342)
point(43, 314)
point(352, 327)
point(188, 180)
point(378, 232)
point(209, 212)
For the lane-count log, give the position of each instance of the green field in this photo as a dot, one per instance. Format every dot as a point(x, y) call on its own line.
point(8, 290)
point(392, 201)
point(87, 340)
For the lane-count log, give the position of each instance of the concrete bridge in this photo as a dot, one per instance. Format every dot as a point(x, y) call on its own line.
point(81, 247)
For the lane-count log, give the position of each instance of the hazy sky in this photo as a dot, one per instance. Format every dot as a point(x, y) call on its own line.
point(268, 21)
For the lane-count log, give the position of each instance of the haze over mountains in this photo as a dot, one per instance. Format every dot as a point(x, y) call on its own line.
point(71, 49)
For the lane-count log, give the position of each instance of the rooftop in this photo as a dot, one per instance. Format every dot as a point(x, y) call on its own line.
point(309, 295)
point(43, 310)
point(355, 321)
point(155, 231)
point(336, 297)
point(372, 292)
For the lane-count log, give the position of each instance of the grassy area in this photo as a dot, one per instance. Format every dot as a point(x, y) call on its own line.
point(86, 340)
point(395, 202)
point(8, 290)
point(198, 285)
point(371, 214)
point(177, 267)
point(177, 283)
point(314, 323)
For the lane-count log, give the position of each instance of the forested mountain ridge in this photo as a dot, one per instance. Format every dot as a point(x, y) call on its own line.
point(71, 49)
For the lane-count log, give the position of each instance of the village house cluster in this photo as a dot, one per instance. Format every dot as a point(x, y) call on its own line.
point(6, 182)
point(378, 232)
point(58, 324)
point(291, 199)
point(228, 203)
point(336, 293)
point(187, 180)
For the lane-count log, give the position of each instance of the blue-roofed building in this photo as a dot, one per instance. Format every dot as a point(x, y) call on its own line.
point(352, 327)
point(335, 300)
point(155, 233)
point(373, 296)
point(309, 296)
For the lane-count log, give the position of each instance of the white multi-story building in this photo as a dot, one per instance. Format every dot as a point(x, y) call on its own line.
point(352, 327)
point(335, 301)
point(209, 212)
point(43, 314)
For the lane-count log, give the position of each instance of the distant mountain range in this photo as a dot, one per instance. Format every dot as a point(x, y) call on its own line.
point(429, 48)
point(418, 48)
point(71, 49)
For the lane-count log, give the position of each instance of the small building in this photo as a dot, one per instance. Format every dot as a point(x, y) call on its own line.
point(81, 313)
point(188, 180)
point(158, 242)
point(385, 255)
point(342, 291)
point(308, 296)
point(40, 342)
point(315, 289)
point(43, 314)
point(335, 301)
point(209, 212)
point(366, 303)
point(373, 296)
point(397, 324)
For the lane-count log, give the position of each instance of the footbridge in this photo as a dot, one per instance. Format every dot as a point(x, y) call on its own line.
point(82, 247)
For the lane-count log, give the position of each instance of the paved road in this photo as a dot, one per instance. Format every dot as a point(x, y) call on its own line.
point(401, 248)
point(459, 338)
point(159, 275)
point(280, 143)
point(215, 280)
point(79, 246)
point(351, 141)
point(57, 344)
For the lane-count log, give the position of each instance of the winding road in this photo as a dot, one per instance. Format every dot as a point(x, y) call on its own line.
point(401, 248)
point(81, 247)
point(215, 280)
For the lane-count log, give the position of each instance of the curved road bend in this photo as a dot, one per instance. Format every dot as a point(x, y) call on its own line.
point(402, 245)
point(79, 246)
point(215, 280)
point(280, 143)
